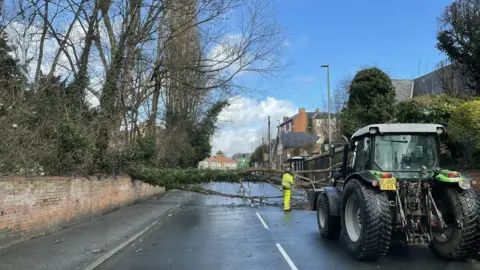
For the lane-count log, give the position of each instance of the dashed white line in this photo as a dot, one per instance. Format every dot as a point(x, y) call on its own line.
point(280, 248)
point(261, 220)
point(287, 258)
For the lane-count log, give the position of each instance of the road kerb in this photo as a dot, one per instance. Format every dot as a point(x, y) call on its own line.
point(112, 252)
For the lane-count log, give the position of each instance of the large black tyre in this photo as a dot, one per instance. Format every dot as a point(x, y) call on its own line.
point(328, 225)
point(374, 215)
point(477, 193)
point(461, 205)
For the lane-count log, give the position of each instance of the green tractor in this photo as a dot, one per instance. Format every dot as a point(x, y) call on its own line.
point(390, 187)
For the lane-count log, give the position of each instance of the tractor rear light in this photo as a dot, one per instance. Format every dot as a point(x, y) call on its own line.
point(374, 183)
point(452, 175)
point(386, 175)
point(432, 223)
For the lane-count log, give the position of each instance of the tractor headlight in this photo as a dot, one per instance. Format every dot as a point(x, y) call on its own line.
point(440, 130)
point(465, 184)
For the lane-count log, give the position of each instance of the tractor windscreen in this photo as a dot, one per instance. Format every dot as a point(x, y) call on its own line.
point(405, 153)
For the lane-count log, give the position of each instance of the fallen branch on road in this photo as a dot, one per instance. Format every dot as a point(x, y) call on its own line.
point(189, 179)
point(205, 191)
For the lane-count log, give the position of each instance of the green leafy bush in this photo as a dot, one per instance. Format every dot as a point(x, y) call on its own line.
point(435, 109)
point(74, 147)
point(427, 109)
point(143, 150)
point(464, 128)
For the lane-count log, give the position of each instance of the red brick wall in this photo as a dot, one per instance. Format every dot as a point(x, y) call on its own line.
point(32, 206)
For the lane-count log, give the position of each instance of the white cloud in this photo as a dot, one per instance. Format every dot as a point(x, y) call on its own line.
point(241, 122)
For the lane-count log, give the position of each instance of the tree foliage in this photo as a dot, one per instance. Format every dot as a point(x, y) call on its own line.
point(427, 109)
point(89, 87)
point(435, 109)
point(257, 155)
point(465, 130)
point(172, 178)
point(198, 146)
point(459, 38)
point(371, 95)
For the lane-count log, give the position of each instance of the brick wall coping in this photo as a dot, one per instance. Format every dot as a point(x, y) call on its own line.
point(61, 178)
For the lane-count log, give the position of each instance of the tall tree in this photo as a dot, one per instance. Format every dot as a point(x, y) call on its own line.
point(459, 38)
point(371, 95)
point(12, 79)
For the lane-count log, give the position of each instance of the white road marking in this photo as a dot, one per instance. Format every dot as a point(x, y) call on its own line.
point(261, 220)
point(287, 258)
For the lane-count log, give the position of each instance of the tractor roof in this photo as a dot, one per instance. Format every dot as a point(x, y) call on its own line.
point(399, 128)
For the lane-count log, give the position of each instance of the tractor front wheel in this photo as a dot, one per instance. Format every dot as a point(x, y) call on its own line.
point(366, 221)
point(460, 210)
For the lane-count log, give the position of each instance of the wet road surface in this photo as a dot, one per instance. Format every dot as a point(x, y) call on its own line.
point(221, 233)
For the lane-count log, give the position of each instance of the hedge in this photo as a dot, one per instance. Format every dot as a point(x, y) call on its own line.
point(465, 130)
point(427, 109)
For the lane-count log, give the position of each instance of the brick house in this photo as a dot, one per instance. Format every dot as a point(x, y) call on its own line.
point(303, 134)
point(294, 144)
point(220, 161)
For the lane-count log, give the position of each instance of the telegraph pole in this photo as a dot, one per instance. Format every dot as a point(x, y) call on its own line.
point(330, 143)
point(269, 145)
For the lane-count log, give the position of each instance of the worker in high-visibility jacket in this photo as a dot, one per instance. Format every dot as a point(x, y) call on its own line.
point(287, 183)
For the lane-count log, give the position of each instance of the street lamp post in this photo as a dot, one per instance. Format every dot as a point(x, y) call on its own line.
point(329, 116)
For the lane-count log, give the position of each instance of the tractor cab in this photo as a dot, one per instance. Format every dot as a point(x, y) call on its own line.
point(391, 188)
point(402, 150)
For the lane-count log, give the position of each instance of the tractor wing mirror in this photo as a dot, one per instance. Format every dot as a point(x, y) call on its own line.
point(423, 170)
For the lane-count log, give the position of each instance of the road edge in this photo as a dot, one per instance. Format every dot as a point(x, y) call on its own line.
point(118, 248)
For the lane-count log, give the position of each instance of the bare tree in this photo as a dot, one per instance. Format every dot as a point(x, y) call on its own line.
point(453, 79)
point(165, 61)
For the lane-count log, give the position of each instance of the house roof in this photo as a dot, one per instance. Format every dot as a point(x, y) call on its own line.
point(297, 139)
point(316, 115)
point(403, 89)
point(223, 159)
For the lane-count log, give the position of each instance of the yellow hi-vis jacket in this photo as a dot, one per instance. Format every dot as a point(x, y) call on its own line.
point(287, 181)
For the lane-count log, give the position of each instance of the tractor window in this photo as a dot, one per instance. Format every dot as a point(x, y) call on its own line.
point(405, 152)
point(361, 155)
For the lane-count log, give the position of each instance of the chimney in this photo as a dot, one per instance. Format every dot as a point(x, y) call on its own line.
point(300, 123)
point(285, 118)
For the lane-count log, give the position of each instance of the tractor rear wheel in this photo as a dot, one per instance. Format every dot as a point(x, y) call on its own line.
point(328, 225)
point(460, 210)
point(366, 221)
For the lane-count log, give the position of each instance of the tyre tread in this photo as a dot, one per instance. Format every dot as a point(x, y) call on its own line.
point(378, 223)
point(332, 224)
point(467, 202)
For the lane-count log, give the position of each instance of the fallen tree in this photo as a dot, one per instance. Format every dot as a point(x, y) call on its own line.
point(193, 180)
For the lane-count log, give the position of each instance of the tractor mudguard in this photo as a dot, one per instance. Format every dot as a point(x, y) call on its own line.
point(367, 176)
point(448, 176)
point(334, 199)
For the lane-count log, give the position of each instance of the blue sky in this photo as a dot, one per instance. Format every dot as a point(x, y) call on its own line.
point(398, 36)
